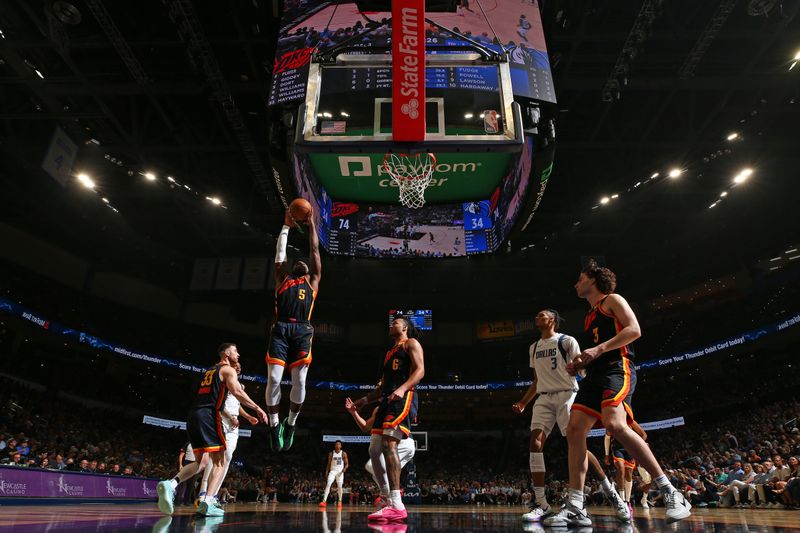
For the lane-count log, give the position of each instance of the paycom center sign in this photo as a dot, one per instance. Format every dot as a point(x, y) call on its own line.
point(456, 176)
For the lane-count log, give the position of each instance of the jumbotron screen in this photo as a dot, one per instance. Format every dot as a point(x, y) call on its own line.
point(421, 318)
point(322, 24)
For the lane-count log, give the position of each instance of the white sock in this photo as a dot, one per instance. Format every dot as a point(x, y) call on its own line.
point(607, 488)
point(173, 483)
point(663, 483)
point(293, 417)
point(396, 499)
point(541, 499)
point(273, 419)
point(628, 490)
point(621, 493)
point(575, 497)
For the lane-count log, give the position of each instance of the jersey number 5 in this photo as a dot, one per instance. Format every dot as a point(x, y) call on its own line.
point(301, 294)
point(208, 378)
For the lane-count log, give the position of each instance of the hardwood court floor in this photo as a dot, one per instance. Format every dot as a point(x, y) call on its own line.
point(422, 519)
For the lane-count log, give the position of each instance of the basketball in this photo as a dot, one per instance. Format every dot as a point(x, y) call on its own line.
point(299, 209)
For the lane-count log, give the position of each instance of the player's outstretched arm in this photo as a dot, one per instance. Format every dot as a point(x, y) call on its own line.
point(417, 370)
point(231, 381)
point(315, 268)
point(363, 425)
point(520, 406)
point(280, 247)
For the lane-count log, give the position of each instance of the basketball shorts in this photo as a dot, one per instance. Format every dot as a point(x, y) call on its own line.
point(290, 344)
point(231, 435)
point(621, 455)
point(608, 386)
point(550, 409)
point(393, 418)
point(336, 475)
point(205, 430)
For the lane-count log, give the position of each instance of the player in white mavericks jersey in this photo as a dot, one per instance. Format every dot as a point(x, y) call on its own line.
point(556, 391)
point(337, 465)
point(231, 411)
point(406, 449)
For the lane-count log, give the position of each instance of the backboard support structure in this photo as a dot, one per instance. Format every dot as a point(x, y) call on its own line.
point(352, 103)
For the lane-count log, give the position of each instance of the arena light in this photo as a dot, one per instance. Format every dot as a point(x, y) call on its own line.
point(86, 181)
point(792, 258)
point(723, 194)
point(733, 136)
point(187, 187)
point(105, 200)
point(787, 252)
point(150, 176)
point(654, 176)
point(742, 176)
point(468, 115)
point(170, 179)
point(214, 200)
point(796, 59)
point(36, 70)
point(345, 114)
point(604, 200)
point(614, 196)
point(674, 173)
point(712, 206)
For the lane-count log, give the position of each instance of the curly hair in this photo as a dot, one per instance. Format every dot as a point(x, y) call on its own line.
point(605, 279)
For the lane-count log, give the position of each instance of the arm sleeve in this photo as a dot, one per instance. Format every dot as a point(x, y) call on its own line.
point(531, 354)
point(280, 248)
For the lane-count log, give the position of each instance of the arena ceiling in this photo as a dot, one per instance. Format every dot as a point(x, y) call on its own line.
point(179, 89)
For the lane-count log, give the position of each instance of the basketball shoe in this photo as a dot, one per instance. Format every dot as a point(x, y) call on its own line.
point(276, 438)
point(166, 497)
point(569, 515)
point(288, 434)
point(537, 513)
point(677, 506)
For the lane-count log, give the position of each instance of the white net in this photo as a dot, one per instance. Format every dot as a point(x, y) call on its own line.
point(412, 173)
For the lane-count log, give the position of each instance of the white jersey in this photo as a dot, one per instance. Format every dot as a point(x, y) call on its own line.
point(337, 461)
point(550, 363)
point(231, 406)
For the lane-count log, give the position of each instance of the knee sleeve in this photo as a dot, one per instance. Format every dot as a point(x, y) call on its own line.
point(298, 393)
point(273, 393)
point(368, 468)
point(537, 462)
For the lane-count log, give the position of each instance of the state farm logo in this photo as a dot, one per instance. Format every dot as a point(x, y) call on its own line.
point(409, 68)
point(411, 108)
point(115, 491)
point(13, 489)
point(69, 490)
point(148, 491)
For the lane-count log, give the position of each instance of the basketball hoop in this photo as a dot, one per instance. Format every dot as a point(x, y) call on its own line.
point(412, 173)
